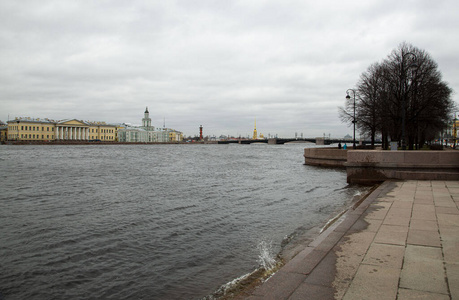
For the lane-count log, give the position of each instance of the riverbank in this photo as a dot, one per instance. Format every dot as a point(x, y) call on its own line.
point(242, 287)
point(381, 249)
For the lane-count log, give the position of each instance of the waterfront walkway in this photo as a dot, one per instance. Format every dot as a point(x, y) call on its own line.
point(401, 242)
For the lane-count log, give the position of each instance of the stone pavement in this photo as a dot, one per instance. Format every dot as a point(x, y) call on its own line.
point(401, 242)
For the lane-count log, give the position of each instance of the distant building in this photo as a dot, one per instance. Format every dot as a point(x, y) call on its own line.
point(3, 131)
point(147, 133)
point(36, 129)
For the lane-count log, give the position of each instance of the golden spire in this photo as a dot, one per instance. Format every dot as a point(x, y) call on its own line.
point(255, 135)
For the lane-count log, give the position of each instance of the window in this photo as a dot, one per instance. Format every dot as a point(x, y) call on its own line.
point(22, 127)
point(42, 128)
point(30, 136)
point(52, 129)
point(47, 128)
point(42, 136)
point(47, 136)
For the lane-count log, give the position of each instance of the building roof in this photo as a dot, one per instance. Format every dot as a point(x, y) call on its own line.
point(31, 120)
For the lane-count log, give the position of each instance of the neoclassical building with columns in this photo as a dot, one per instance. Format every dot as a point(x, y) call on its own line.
point(32, 129)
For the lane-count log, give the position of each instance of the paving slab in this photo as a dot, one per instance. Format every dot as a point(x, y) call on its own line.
point(377, 211)
point(447, 210)
point(397, 220)
point(390, 256)
point(324, 273)
point(350, 252)
point(374, 282)
point(305, 265)
point(392, 234)
point(423, 212)
point(448, 220)
point(402, 204)
point(420, 261)
point(281, 286)
point(424, 224)
point(312, 292)
point(423, 238)
point(446, 203)
point(370, 225)
point(452, 272)
point(406, 294)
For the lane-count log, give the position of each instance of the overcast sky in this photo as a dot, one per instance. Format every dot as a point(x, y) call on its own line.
point(219, 64)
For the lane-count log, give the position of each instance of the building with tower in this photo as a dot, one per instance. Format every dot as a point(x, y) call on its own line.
point(148, 133)
point(146, 121)
point(46, 130)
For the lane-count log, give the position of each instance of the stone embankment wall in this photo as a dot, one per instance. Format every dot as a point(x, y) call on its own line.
point(373, 166)
point(377, 165)
point(325, 157)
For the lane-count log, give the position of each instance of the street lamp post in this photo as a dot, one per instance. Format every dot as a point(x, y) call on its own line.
point(404, 96)
point(353, 121)
point(455, 130)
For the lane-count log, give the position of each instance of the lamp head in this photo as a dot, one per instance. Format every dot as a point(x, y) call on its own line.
point(348, 97)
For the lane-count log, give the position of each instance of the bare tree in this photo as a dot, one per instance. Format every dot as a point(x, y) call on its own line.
point(403, 98)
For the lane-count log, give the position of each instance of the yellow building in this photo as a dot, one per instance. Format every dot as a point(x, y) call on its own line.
point(30, 129)
point(175, 136)
point(103, 132)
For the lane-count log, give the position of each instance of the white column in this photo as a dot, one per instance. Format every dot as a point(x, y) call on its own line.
point(56, 133)
point(83, 134)
point(79, 133)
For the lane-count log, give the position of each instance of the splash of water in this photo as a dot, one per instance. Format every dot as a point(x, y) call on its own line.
point(266, 258)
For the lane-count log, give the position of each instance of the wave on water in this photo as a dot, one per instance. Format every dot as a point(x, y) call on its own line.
point(268, 265)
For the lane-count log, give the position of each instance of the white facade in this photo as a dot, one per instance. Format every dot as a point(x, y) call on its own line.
point(147, 133)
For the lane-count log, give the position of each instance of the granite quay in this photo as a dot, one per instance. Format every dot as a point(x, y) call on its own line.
point(375, 166)
point(400, 242)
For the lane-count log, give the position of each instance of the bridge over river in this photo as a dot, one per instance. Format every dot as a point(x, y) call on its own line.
point(278, 141)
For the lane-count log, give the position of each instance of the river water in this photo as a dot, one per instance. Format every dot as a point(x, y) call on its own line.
point(152, 221)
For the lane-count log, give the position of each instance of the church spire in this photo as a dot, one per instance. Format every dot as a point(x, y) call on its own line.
point(255, 135)
point(146, 110)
